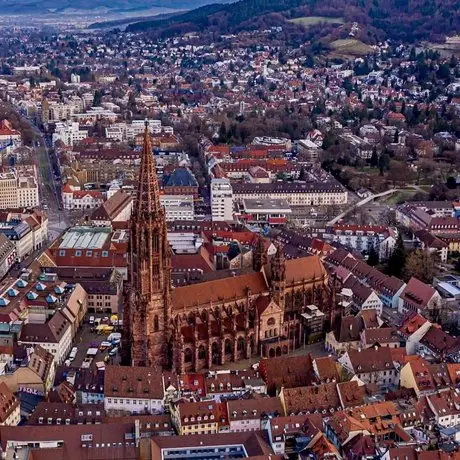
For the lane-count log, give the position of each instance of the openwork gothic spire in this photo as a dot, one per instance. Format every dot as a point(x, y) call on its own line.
point(148, 191)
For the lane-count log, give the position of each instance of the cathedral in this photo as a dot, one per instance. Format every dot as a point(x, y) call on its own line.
point(211, 323)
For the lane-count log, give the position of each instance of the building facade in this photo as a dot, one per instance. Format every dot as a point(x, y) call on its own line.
point(221, 200)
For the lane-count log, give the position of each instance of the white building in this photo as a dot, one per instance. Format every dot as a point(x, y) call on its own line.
point(445, 406)
point(221, 200)
point(265, 212)
point(178, 207)
point(69, 133)
point(81, 199)
point(364, 237)
point(27, 191)
point(133, 390)
point(55, 336)
point(18, 191)
point(295, 193)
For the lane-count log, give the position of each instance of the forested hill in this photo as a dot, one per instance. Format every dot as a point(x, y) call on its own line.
point(408, 20)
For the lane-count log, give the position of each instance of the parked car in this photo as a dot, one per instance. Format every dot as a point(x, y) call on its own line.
point(91, 320)
point(87, 363)
point(73, 353)
point(104, 345)
point(113, 351)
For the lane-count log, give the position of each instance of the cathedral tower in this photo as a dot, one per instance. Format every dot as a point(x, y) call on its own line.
point(148, 304)
point(278, 275)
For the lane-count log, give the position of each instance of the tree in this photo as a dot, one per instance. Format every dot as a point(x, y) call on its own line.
point(373, 258)
point(384, 163)
point(374, 158)
point(302, 174)
point(97, 98)
point(397, 260)
point(419, 264)
point(451, 183)
point(223, 133)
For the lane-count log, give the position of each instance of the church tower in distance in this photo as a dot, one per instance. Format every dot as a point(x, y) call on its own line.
point(147, 308)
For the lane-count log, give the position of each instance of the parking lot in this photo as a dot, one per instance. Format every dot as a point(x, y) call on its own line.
point(87, 337)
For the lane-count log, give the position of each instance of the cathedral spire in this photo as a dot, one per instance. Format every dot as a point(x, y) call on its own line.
point(150, 269)
point(148, 191)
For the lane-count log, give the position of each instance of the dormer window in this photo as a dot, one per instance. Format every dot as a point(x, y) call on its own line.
point(185, 419)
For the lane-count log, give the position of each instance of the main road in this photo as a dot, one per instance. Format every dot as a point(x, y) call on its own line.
point(49, 183)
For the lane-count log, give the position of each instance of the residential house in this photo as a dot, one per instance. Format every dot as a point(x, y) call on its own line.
point(204, 417)
point(431, 243)
point(252, 414)
point(133, 390)
point(373, 365)
point(117, 208)
point(60, 413)
point(307, 400)
point(55, 336)
point(287, 372)
point(382, 337)
point(345, 336)
point(326, 369)
point(382, 420)
point(445, 406)
point(437, 344)
point(412, 331)
point(419, 297)
point(425, 378)
point(289, 435)
point(10, 413)
point(36, 377)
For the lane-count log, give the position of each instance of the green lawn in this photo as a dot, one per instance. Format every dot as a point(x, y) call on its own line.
point(351, 46)
point(400, 197)
point(313, 20)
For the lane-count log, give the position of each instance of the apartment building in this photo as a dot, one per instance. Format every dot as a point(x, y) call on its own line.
point(178, 207)
point(69, 133)
point(21, 234)
point(8, 190)
point(221, 200)
point(55, 336)
point(18, 191)
point(10, 412)
point(363, 238)
point(27, 192)
point(295, 193)
point(7, 255)
point(199, 417)
point(133, 390)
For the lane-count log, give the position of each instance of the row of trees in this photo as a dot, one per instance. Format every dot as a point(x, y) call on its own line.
point(405, 265)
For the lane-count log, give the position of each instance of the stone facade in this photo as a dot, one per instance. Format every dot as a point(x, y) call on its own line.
point(198, 326)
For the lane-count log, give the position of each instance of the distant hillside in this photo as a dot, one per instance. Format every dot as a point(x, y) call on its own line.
point(130, 20)
point(53, 6)
point(408, 20)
